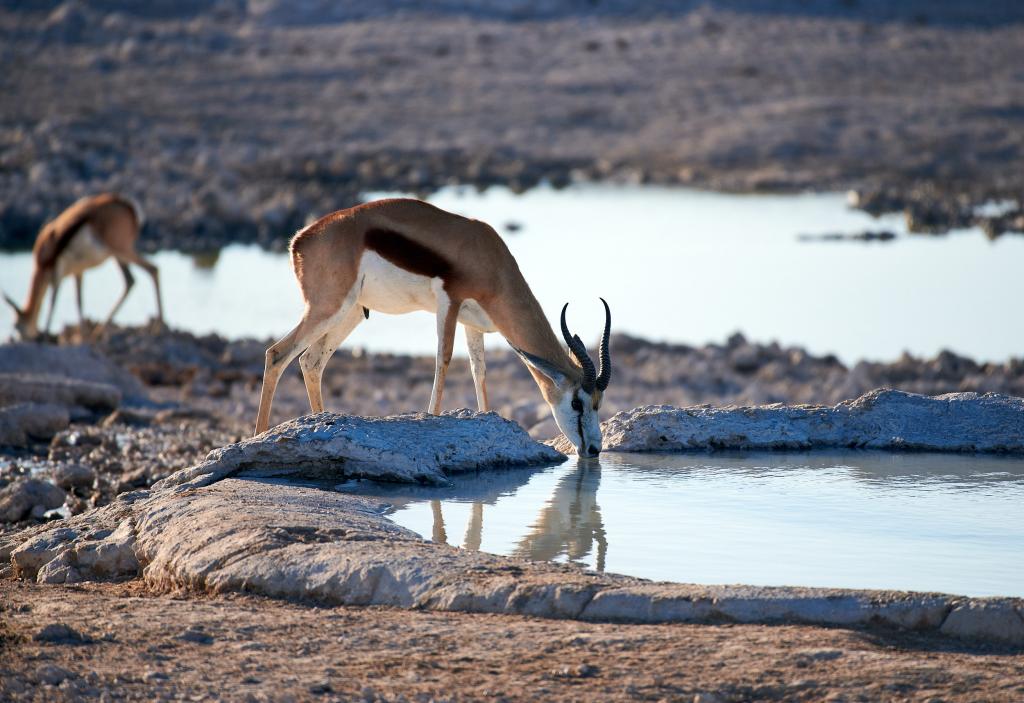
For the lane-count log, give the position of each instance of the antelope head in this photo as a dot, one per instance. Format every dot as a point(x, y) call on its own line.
point(575, 395)
point(24, 324)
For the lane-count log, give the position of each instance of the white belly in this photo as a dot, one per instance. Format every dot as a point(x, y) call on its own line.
point(389, 289)
point(84, 251)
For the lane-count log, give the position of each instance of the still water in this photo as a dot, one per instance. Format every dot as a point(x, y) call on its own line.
point(921, 522)
point(676, 265)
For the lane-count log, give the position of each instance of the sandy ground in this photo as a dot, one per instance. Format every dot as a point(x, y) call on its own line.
point(141, 646)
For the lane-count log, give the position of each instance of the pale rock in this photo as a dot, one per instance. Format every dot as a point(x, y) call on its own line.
point(57, 390)
point(19, 498)
point(988, 620)
point(880, 419)
point(70, 476)
point(414, 448)
point(22, 423)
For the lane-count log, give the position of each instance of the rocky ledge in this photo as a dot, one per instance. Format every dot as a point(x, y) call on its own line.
point(412, 448)
point(881, 419)
point(224, 526)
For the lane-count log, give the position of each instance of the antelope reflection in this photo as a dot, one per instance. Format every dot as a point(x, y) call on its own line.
point(569, 524)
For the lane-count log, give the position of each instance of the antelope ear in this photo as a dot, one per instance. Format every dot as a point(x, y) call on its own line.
point(545, 367)
point(7, 299)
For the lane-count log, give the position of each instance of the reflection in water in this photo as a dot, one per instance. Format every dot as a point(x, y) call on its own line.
point(570, 523)
point(854, 519)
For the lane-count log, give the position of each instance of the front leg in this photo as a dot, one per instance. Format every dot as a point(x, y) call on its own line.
point(447, 318)
point(78, 299)
point(475, 344)
point(55, 286)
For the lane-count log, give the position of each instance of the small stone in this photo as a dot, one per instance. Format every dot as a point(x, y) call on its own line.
point(18, 499)
point(52, 675)
point(705, 697)
point(59, 633)
point(320, 687)
point(196, 635)
point(70, 476)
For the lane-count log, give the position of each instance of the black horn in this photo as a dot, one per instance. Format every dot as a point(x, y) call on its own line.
point(579, 352)
point(605, 374)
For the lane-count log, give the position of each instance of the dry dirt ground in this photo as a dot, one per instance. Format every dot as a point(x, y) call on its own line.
point(139, 646)
point(236, 121)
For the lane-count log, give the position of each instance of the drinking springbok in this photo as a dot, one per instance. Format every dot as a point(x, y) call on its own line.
point(83, 236)
point(400, 255)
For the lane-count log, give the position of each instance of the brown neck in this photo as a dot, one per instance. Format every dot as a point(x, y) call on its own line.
point(520, 319)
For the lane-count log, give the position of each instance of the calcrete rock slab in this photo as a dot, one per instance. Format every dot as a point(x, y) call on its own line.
point(287, 541)
point(989, 620)
point(414, 448)
point(58, 390)
point(881, 419)
point(22, 423)
point(77, 363)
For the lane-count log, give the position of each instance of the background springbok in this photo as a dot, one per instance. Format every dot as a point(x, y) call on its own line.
point(83, 236)
point(401, 255)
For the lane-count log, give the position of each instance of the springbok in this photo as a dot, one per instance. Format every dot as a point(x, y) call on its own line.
point(401, 255)
point(83, 236)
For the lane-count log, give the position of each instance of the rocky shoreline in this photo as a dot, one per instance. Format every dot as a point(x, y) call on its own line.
point(100, 516)
point(143, 402)
point(231, 122)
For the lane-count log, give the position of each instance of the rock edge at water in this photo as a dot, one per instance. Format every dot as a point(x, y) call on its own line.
point(204, 530)
point(880, 419)
point(302, 543)
point(413, 448)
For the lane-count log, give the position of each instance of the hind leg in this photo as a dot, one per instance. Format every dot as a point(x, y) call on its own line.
point(310, 328)
point(133, 257)
point(315, 323)
point(129, 281)
point(315, 358)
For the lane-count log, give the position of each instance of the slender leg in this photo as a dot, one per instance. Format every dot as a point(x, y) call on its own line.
point(129, 281)
point(133, 257)
point(447, 318)
point(438, 534)
point(474, 530)
point(315, 324)
point(315, 358)
point(78, 299)
point(475, 343)
point(53, 304)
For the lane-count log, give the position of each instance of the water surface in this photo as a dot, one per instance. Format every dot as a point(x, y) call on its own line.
point(675, 264)
point(925, 522)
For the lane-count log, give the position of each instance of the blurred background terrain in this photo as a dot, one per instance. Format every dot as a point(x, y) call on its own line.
point(236, 121)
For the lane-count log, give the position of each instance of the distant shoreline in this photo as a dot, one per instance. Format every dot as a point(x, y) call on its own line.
point(235, 128)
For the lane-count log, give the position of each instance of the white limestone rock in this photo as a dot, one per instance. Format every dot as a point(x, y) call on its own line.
point(881, 419)
point(413, 448)
point(993, 619)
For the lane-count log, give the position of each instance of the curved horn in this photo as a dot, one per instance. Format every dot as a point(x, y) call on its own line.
point(579, 352)
point(606, 356)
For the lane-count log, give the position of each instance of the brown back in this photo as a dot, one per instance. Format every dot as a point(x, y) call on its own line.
point(96, 211)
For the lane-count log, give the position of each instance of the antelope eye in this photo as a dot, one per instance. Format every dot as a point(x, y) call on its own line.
point(577, 405)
